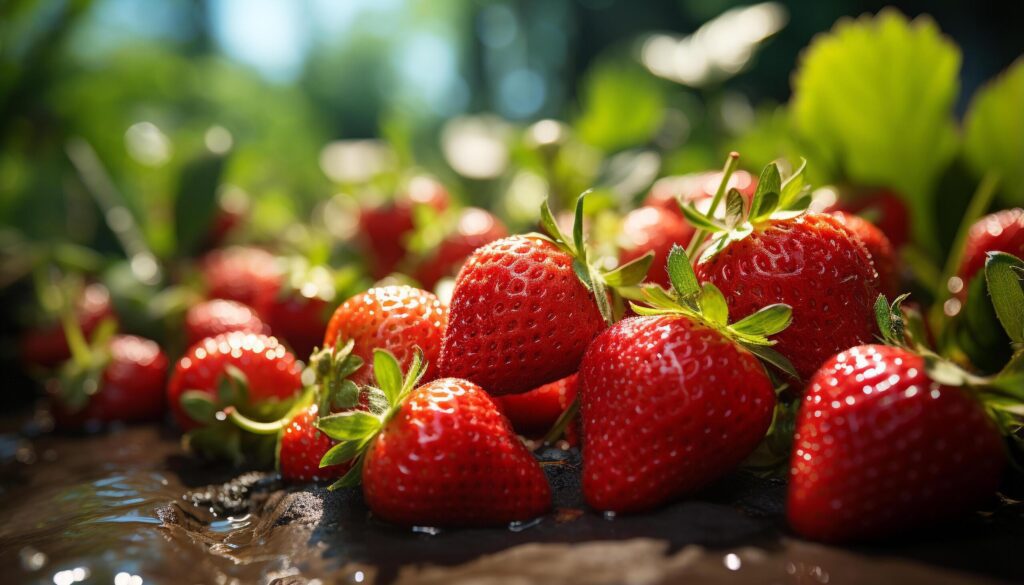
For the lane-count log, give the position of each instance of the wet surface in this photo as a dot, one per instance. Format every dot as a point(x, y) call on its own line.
point(126, 508)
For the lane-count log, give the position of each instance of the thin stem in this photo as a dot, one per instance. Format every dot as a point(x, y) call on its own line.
point(253, 426)
point(562, 423)
point(979, 204)
point(698, 238)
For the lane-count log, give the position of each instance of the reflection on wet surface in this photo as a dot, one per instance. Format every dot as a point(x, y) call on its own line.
point(127, 508)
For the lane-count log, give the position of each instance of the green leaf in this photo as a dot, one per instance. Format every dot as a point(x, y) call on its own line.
point(349, 426)
point(766, 196)
point(658, 297)
point(388, 373)
point(883, 317)
point(1004, 286)
point(765, 322)
point(417, 368)
point(341, 453)
point(622, 106)
point(993, 135)
point(199, 406)
point(793, 187)
point(712, 304)
point(550, 225)
point(681, 274)
point(873, 103)
point(699, 220)
point(733, 209)
point(350, 479)
point(773, 358)
point(577, 229)
point(631, 273)
point(344, 394)
point(196, 202)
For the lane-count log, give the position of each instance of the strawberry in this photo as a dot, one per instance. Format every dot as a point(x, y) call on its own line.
point(473, 228)
point(882, 207)
point(396, 318)
point(250, 276)
point(774, 252)
point(213, 317)
point(879, 248)
point(384, 229)
point(668, 192)
point(675, 398)
point(440, 454)
point(251, 373)
point(533, 413)
point(1002, 231)
point(47, 346)
point(653, 229)
point(882, 446)
point(302, 446)
point(122, 380)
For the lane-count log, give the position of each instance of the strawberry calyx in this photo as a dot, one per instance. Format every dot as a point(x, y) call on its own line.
point(706, 304)
point(773, 199)
point(597, 280)
point(355, 429)
point(233, 426)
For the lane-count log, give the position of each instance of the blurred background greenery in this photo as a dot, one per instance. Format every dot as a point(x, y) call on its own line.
point(122, 120)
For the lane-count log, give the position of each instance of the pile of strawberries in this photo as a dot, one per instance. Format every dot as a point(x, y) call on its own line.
point(732, 310)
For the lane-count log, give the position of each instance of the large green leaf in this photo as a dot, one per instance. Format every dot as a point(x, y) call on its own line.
point(873, 101)
point(994, 131)
point(623, 106)
point(196, 201)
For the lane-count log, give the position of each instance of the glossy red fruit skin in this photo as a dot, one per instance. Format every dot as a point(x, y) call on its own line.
point(301, 448)
point(384, 229)
point(213, 317)
point(886, 209)
point(881, 448)
point(654, 229)
point(299, 321)
point(449, 458)
point(882, 253)
point(250, 276)
point(696, 187)
point(476, 227)
point(533, 413)
point(668, 406)
point(131, 388)
point(397, 318)
point(47, 347)
point(270, 369)
point(519, 317)
point(1002, 231)
point(813, 264)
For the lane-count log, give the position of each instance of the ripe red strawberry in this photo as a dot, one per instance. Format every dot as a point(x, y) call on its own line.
point(395, 318)
point(533, 413)
point(475, 227)
point(882, 207)
point(667, 192)
point(272, 376)
point(881, 447)
point(213, 317)
point(125, 383)
point(302, 446)
point(384, 229)
point(653, 229)
point(519, 317)
point(251, 276)
point(815, 265)
point(1002, 231)
point(668, 406)
point(300, 321)
point(47, 346)
point(879, 248)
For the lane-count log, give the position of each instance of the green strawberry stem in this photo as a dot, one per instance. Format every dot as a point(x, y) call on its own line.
point(558, 429)
point(731, 162)
point(253, 426)
point(977, 207)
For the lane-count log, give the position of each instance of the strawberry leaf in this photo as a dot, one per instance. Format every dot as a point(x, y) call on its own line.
point(629, 274)
point(344, 394)
point(199, 406)
point(733, 209)
point(350, 479)
point(577, 228)
point(417, 368)
point(550, 225)
point(376, 401)
point(1002, 273)
point(582, 273)
point(341, 453)
point(388, 373)
point(712, 305)
point(993, 140)
point(777, 360)
point(349, 426)
point(767, 195)
point(765, 322)
point(681, 274)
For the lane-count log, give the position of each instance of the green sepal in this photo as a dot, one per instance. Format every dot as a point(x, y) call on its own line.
point(1003, 276)
point(681, 274)
point(554, 233)
point(712, 305)
point(341, 453)
point(352, 478)
point(376, 400)
point(766, 322)
point(889, 317)
point(734, 208)
point(353, 425)
point(631, 273)
point(199, 406)
point(701, 221)
point(794, 190)
point(774, 358)
point(388, 373)
point(770, 182)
